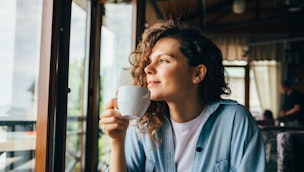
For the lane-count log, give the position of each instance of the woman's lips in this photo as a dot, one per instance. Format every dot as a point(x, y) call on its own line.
point(151, 83)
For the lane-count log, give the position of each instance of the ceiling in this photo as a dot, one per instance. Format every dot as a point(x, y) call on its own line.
point(217, 16)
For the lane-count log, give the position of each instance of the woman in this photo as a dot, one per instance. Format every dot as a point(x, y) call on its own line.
point(187, 127)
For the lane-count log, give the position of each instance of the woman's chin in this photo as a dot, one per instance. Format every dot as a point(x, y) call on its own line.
point(156, 98)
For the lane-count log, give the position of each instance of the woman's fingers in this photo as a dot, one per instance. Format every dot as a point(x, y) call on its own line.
point(112, 122)
point(112, 116)
point(114, 126)
point(112, 104)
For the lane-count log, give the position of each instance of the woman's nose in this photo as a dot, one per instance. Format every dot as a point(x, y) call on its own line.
point(149, 69)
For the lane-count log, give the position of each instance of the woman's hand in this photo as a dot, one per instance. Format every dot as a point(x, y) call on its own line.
point(113, 124)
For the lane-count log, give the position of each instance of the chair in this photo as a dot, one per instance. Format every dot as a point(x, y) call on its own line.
point(290, 151)
point(270, 133)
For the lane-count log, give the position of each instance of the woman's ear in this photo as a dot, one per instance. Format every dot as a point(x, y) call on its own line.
point(199, 73)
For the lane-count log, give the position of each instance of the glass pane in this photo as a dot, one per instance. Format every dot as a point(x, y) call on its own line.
point(20, 52)
point(236, 76)
point(236, 82)
point(115, 49)
point(76, 98)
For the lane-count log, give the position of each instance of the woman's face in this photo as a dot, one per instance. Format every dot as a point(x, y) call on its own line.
point(169, 76)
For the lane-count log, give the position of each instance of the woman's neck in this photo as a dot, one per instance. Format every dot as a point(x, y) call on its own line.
point(184, 110)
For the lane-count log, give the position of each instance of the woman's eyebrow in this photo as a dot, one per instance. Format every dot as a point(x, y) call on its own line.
point(167, 54)
point(170, 54)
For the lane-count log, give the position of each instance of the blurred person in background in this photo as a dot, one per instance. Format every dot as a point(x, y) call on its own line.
point(291, 112)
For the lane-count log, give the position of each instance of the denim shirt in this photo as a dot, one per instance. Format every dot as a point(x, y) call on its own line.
point(229, 141)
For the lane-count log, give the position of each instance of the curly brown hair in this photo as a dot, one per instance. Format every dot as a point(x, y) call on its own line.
point(197, 48)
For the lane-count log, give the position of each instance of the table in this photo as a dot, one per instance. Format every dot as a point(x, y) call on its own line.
point(19, 148)
point(12, 120)
point(19, 142)
point(17, 145)
point(280, 128)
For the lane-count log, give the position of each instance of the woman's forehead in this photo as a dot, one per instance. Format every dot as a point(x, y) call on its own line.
point(166, 44)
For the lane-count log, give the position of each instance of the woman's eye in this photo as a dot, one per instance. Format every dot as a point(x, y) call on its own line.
point(164, 61)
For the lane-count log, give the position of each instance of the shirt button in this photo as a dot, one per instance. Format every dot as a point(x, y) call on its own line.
point(199, 149)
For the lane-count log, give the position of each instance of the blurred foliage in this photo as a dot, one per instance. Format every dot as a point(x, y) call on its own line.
point(75, 128)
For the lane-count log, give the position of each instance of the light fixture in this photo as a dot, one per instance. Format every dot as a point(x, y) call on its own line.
point(238, 6)
point(290, 5)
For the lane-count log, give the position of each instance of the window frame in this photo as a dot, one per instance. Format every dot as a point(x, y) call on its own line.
point(53, 88)
point(246, 81)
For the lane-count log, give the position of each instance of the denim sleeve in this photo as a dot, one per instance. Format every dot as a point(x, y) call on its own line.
point(134, 150)
point(247, 147)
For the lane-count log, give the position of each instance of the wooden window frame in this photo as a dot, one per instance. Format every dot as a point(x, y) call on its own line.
point(246, 82)
point(53, 86)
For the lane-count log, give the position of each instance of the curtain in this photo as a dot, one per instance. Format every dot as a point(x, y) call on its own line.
point(251, 47)
point(267, 76)
point(266, 47)
point(232, 46)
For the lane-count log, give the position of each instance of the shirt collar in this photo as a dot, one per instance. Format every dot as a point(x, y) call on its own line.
point(212, 107)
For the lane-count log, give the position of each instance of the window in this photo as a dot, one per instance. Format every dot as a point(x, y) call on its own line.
point(236, 74)
point(20, 55)
point(262, 80)
point(116, 41)
point(76, 111)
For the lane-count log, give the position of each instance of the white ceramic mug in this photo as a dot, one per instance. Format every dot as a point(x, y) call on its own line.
point(133, 101)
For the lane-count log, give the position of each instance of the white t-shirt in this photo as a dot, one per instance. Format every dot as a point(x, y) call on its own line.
point(185, 138)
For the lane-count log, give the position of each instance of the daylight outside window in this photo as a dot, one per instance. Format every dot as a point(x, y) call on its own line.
point(20, 52)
